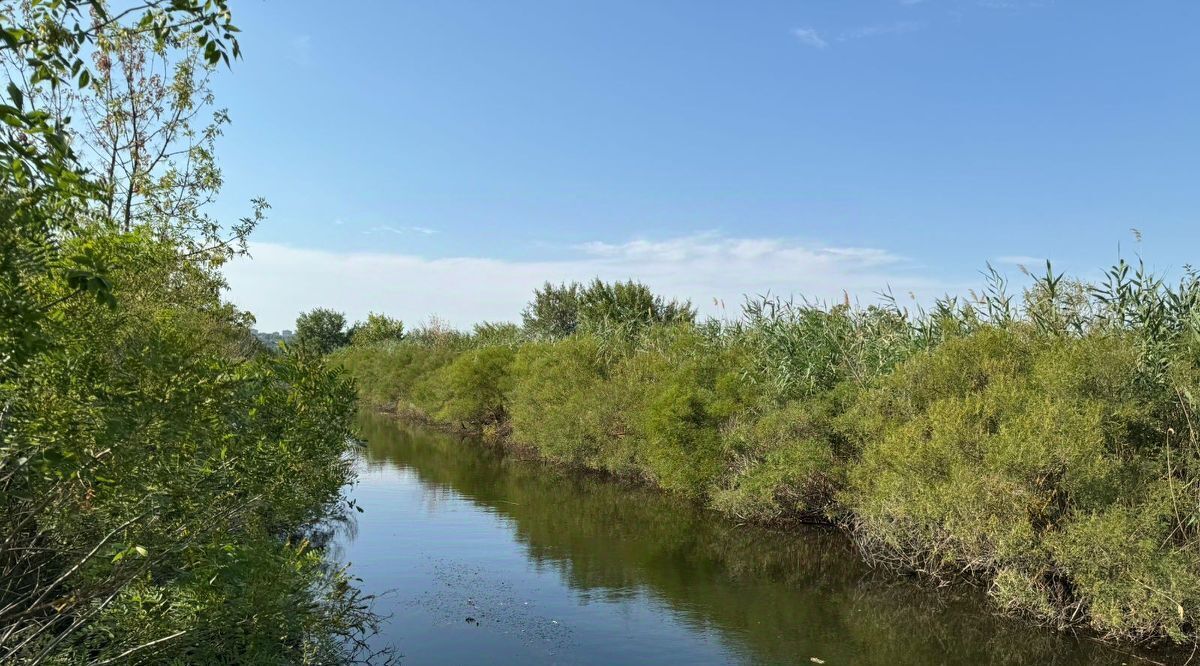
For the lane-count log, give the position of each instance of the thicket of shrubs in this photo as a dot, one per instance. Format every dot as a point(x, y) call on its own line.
point(1042, 443)
point(166, 485)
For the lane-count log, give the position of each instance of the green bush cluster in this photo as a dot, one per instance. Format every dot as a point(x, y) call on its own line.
point(557, 311)
point(559, 403)
point(789, 462)
point(377, 328)
point(1042, 464)
point(475, 387)
point(1046, 449)
point(165, 482)
point(169, 476)
point(400, 376)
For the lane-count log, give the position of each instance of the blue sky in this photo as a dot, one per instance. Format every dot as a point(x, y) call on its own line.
point(444, 157)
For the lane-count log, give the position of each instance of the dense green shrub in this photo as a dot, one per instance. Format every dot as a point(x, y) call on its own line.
point(182, 466)
point(684, 389)
point(377, 328)
point(1127, 568)
point(682, 442)
point(475, 387)
point(1036, 462)
point(789, 463)
point(163, 478)
point(396, 375)
point(558, 402)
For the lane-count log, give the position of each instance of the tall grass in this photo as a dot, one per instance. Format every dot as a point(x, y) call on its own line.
point(1042, 442)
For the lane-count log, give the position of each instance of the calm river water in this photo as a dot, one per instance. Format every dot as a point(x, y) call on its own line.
point(486, 559)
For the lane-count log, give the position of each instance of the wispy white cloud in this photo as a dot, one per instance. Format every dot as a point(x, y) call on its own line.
point(716, 248)
point(281, 281)
point(810, 37)
point(896, 28)
point(401, 231)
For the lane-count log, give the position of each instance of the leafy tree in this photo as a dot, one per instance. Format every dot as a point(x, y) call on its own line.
point(377, 328)
point(558, 311)
point(147, 138)
point(628, 304)
point(554, 311)
point(321, 330)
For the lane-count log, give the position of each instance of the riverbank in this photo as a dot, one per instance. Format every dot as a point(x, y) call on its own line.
point(1049, 456)
point(552, 565)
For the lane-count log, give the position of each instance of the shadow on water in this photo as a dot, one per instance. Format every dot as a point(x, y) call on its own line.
point(768, 597)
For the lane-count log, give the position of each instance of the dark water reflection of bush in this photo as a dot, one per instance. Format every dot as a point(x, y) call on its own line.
point(779, 597)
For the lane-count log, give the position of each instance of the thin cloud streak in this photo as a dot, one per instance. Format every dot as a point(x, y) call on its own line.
point(401, 231)
point(810, 37)
point(897, 28)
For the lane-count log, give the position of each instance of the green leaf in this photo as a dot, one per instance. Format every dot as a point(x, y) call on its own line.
point(17, 96)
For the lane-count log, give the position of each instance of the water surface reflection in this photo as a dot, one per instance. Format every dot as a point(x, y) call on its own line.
point(491, 559)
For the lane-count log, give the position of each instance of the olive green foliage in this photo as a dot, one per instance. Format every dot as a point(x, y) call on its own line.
point(162, 480)
point(476, 386)
point(1041, 443)
point(377, 328)
point(1043, 462)
point(789, 463)
point(628, 307)
point(321, 330)
point(601, 307)
point(554, 311)
point(687, 388)
point(497, 333)
point(559, 403)
point(396, 375)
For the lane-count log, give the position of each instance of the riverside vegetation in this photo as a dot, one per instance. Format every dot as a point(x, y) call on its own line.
point(165, 479)
point(1042, 443)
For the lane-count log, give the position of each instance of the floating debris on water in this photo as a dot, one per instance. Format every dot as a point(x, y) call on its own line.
point(471, 594)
